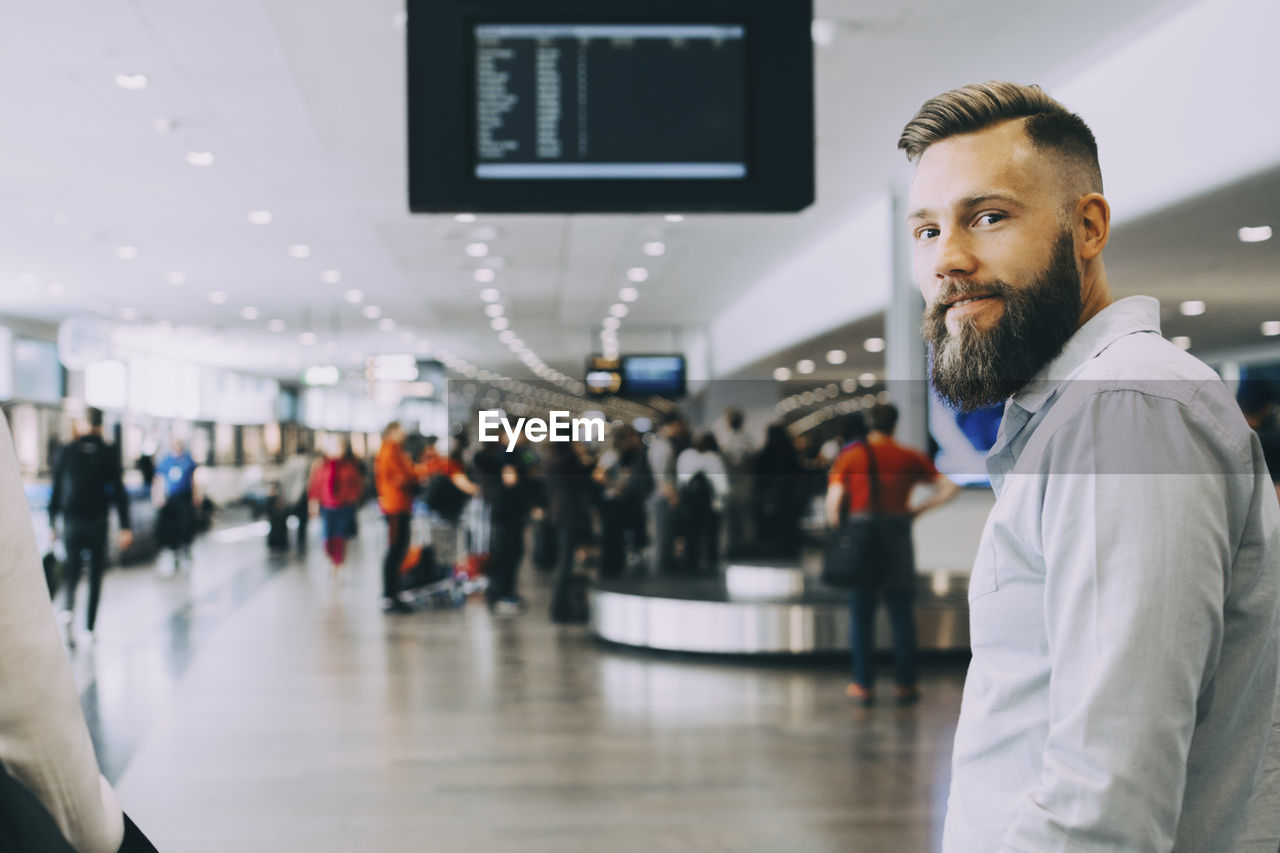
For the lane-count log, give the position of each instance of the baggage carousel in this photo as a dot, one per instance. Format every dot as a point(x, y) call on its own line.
point(765, 609)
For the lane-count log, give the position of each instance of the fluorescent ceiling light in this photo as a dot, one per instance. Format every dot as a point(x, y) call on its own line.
point(1181, 341)
point(873, 344)
point(1271, 328)
point(628, 294)
point(1192, 308)
point(674, 217)
point(836, 356)
point(805, 365)
point(498, 324)
point(1254, 234)
point(782, 374)
point(490, 294)
point(637, 274)
point(484, 275)
point(611, 323)
point(465, 217)
point(655, 248)
point(493, 309)
point(618, 310)
point(477, 250)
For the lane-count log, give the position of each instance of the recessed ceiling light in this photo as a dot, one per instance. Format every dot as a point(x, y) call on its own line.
point(1181, 341)
point(133, 82)
point(386, 324)
point(477, 250)
point(355, 297)
point(494, 309)
point(300, 251)
point(507, 337)
point(655, 248)
point(873, 345)
point(217, 297)
point(260, 217)
point(307, 339)
point(200, 158)
point(128, 313)
point(805, 365)
point(372, 312)
point(866, 380)
point(618, 310)
point(249, 312)
point(782, 374)
point(637, 274)
point(465, 217)
point(1254, 234)
point(1271, 328)
point(611, 323)
point(490, 294)
point(609, 335)
point(331, 276)
point(1192, 308)
point(674, 217)
point(175, 278)
point(836, 356)
point(628, 294)
point(276, 325)
point(126, 253)
point(498, 324)
point(484, 275)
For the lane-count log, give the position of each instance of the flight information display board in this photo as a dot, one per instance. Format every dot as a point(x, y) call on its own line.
point(578, 106)
point(621, 101)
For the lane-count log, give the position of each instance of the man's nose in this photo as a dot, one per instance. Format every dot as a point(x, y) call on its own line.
point(955, 257)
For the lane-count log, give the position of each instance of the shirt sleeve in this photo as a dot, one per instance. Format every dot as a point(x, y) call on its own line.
point(1137, 543)
point(836, 477)
point(44, 742)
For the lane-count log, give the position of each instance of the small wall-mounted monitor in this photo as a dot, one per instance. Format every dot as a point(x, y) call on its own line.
point(637, 376)
point(626, 106)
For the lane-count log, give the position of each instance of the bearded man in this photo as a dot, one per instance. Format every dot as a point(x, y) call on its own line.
point(1125, 598)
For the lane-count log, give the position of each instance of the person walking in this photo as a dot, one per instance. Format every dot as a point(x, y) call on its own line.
point(871, 481)
point(334, 493)
point(177, 496)
point(395, 480)
point(87, 481)
point(295, 481)
point(704, 491)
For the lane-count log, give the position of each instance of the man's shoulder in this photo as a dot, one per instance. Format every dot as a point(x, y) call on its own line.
point(1146, 362)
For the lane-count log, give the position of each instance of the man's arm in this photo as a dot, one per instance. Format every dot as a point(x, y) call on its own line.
point(122, 499)
point(835, 500)
point(944, 489)
point(1135, 577)
point(55, 494)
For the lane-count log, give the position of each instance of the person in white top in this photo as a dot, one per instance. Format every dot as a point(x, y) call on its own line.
point(703, 484)
point(45, 750)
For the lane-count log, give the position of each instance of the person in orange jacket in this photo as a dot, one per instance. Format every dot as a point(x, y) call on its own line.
point(395, 480)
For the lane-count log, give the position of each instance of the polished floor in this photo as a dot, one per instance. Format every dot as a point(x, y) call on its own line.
point(255, 704)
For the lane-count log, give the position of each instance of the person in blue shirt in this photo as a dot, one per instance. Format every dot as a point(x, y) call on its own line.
point(176, 497)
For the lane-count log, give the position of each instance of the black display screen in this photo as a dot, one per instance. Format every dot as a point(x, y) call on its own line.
point(567, 106)
point(609, 102)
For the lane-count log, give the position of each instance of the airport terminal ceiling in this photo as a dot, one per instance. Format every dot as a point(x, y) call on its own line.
point(227, 183)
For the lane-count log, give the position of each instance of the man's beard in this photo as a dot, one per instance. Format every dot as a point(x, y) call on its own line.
point(976, 368)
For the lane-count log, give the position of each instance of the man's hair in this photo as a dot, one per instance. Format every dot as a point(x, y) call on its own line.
point(1048, 124)
point(883, 417)
point(93, 416)
point(390, 428)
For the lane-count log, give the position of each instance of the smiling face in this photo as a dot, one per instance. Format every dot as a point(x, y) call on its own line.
point(994, 256)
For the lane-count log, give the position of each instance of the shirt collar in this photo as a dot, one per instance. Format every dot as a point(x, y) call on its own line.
point(1124, 317)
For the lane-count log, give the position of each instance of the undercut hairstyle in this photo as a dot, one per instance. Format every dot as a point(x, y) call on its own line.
point(1048, 124)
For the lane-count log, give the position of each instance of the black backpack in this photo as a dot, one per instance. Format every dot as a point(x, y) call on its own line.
point(444, 498)
point(696, 497)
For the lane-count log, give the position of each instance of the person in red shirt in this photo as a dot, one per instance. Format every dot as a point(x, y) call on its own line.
point(335, 490)
point(851, 491)
point(395, 479)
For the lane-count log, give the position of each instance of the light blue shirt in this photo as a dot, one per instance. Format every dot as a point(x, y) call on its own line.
point(1123, 613)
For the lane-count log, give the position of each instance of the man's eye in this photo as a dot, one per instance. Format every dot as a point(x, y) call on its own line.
point(991, 218)
point(926, 233)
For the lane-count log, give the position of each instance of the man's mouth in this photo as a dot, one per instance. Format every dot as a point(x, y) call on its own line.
point(966, 300)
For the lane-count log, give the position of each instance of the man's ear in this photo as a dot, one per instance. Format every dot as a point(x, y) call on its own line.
point(1092, 225)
